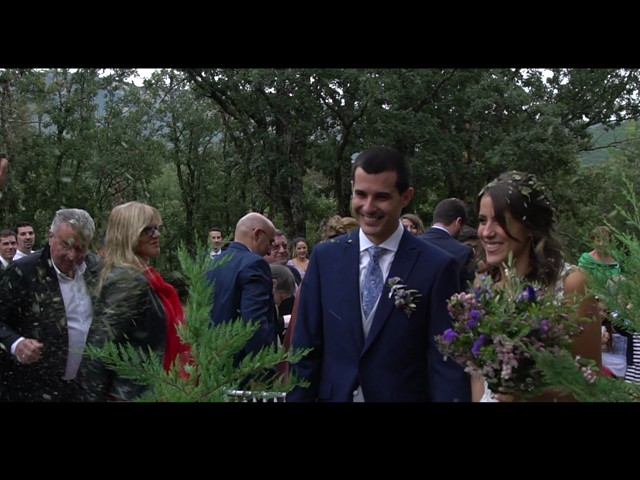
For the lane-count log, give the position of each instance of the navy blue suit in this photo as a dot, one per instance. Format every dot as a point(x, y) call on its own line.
point(244, 289)
point(462, 252)
point(398, 361)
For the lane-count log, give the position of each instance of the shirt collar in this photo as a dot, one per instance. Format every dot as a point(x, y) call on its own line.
point(442, 228)
point(64, 277)
point(390, 243)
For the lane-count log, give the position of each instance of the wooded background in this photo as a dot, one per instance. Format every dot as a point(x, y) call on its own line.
point(207, 146)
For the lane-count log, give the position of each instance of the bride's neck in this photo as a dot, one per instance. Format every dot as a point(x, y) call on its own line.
point(522, 268)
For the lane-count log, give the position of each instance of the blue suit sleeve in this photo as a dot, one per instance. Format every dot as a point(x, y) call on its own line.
point(308, 334)
point(257, 304)
point(449, 382)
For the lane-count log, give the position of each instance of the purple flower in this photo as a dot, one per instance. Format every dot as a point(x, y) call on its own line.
point(474, 317)
point(449, 335)
point(477, 344)
point(529, 293)
point(545, 325)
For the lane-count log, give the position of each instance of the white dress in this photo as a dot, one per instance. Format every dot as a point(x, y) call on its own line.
point(488, 395)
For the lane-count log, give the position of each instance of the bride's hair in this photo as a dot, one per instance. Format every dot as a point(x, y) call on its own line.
point(526, 200)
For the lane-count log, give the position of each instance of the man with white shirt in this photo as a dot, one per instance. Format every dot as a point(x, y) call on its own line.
point(26, 237)
point(45, 313)
point(8, 244)
point(215, 241)
point(373, 300)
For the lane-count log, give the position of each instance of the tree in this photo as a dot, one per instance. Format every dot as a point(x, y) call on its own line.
point(212, 376)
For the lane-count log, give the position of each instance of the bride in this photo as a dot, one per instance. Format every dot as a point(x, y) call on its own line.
point(515, 215)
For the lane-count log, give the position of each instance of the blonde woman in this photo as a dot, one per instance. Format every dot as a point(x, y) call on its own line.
point(135, 305)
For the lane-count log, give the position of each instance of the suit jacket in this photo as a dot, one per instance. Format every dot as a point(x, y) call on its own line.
point(127, 311)
point(398, 361)
point(463, 253)
point(31, 306)
point(243, 288)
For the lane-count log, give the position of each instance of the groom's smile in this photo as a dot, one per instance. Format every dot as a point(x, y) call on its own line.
point(377, 204)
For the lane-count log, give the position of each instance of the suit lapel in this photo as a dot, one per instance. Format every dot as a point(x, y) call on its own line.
point(349, 268)
point(402, 266)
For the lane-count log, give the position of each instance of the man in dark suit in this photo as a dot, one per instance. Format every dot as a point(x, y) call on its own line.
point(45, 314)
point(215, 241)
point(243, 285)
point(449, 217)
point(8, 247)
point(388, 355)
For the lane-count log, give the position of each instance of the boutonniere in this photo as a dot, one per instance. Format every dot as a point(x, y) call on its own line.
point(403, 297)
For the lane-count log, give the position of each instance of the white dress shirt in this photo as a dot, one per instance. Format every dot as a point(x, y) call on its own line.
point(79, 311)
point(386, 259)
point(19, 254)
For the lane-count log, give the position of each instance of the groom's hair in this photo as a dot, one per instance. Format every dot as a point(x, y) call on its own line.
point(385, 159)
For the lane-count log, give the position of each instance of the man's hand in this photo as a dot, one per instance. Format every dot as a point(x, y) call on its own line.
point(28, 351)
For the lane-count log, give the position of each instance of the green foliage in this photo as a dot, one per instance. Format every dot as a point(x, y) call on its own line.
point(620, 295)
point(212, 375)
point(560, 370)
point(207, 146)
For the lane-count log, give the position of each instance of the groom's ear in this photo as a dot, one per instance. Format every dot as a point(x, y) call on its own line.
point(407, 196)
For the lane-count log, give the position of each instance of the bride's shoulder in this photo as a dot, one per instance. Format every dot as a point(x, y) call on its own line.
point(574, 280)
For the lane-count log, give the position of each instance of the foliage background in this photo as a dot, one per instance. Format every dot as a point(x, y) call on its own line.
point(205, 146)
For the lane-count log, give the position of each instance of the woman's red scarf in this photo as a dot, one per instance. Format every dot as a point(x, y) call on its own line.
point(175, 316)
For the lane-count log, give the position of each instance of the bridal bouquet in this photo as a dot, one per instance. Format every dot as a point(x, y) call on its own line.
point(497, 332)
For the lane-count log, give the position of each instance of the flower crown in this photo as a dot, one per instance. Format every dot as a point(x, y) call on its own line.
point(525, 183)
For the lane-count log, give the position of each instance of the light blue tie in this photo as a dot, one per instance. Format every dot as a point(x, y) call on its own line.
point(373, 281)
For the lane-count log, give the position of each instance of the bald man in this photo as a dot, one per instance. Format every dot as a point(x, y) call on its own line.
point(243, 287)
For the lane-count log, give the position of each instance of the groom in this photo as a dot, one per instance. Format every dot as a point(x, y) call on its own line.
point(388, 355)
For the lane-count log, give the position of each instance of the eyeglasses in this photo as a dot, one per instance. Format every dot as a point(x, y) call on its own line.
point(152, 228)
point(277, 246)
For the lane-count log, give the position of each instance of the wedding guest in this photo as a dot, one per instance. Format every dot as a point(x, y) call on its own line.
point(279, 254)
point(599, 261)
point(336, 226)
point(45, 313)
point(8, 247)
point(26, 238)
point(284, 286)
point(367, 345)
point(243, 284)
point(515, 217)
point(299, 261)
point(413, 223)
point(215, 241)
point(603, 268)
point(135, 305)
point(449, 217)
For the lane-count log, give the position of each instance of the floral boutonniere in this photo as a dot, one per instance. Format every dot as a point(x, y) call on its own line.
point(403, 297)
